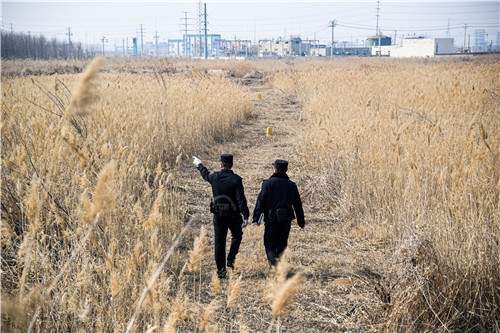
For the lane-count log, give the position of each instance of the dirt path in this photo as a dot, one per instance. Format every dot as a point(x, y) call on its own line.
point(337, 268)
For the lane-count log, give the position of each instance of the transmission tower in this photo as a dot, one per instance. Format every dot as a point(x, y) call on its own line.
point(377, 32)
point(205, 50)
point(142, 40)
point(199, 26)
point(185, 30)
point(156, 39)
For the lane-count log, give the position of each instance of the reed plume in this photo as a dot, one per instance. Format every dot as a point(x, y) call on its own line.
point(84, 93)
point(284, 296)
point(199, 251)
point(233, 290)
point(207, 316)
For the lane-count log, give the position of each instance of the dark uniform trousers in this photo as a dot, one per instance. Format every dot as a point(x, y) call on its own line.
point(278, 192)
point(276, 240)
point(221, 225)
point(227, 183)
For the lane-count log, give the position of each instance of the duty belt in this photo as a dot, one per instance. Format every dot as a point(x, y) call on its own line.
point(228, 198)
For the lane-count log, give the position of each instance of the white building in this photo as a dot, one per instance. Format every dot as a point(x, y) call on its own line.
point(318, 51)
point(384, 50)
point(421, 47)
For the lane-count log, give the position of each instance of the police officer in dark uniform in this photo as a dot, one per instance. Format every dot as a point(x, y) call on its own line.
point(277, 200)
point(228, 204)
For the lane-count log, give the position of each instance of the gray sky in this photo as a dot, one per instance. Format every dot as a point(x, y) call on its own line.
point(116, 20)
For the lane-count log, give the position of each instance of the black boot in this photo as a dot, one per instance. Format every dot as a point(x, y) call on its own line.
point(221, 274)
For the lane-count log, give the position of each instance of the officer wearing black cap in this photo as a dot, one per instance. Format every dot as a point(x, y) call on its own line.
point(277, 200)
point(228, 205)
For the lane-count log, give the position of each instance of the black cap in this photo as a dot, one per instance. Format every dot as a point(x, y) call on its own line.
point(226, 158)
point(281, 165)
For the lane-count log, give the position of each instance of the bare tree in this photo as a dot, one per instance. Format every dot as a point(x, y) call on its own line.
point(18, 45)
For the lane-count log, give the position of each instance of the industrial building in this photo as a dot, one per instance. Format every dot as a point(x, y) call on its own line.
point(379, 45)
point(294, 46)
point(344, 50)
point(421, 47)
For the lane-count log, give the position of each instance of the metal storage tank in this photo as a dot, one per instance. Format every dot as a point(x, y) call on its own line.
point(373, 41)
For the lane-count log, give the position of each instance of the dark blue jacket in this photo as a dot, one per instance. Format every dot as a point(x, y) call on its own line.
point(278, 192)
point(226, 182)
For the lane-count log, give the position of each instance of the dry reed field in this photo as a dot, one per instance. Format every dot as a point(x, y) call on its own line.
point(105, 225)
point(409, 154)
point(88, 202)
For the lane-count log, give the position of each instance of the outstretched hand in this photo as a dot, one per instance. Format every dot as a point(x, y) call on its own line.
point(244, 224)
point(196, 161)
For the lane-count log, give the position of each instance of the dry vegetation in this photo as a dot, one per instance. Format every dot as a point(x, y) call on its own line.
point(101, 226)
point(89, 205)
point(409, 154)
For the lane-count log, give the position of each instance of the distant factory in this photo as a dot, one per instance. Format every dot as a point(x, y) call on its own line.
point(379, 45)
point(414, 46)
point(294, 46)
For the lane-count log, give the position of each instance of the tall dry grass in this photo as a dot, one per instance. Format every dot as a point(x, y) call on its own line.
point(77, 251)
point(408, 156)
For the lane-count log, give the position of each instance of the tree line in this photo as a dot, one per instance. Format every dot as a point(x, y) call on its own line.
point(19, 45)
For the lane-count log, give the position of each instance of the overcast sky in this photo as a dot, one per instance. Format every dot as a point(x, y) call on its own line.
point(252, 20)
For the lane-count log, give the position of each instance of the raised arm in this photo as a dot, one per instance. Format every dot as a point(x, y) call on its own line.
point(203, 170)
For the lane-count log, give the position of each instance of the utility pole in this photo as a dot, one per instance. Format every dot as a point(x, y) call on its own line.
point(142, 40)
point(206, 44)
point(123, 46)
point(465, 35)
point(332, 25)
point(395, 36)
point(127, 45)
point(156, 40)
point(29, 44)
point(254, 31)
point(378, 9)
point(11, 28)
point(103, 39)
point(69, 34)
